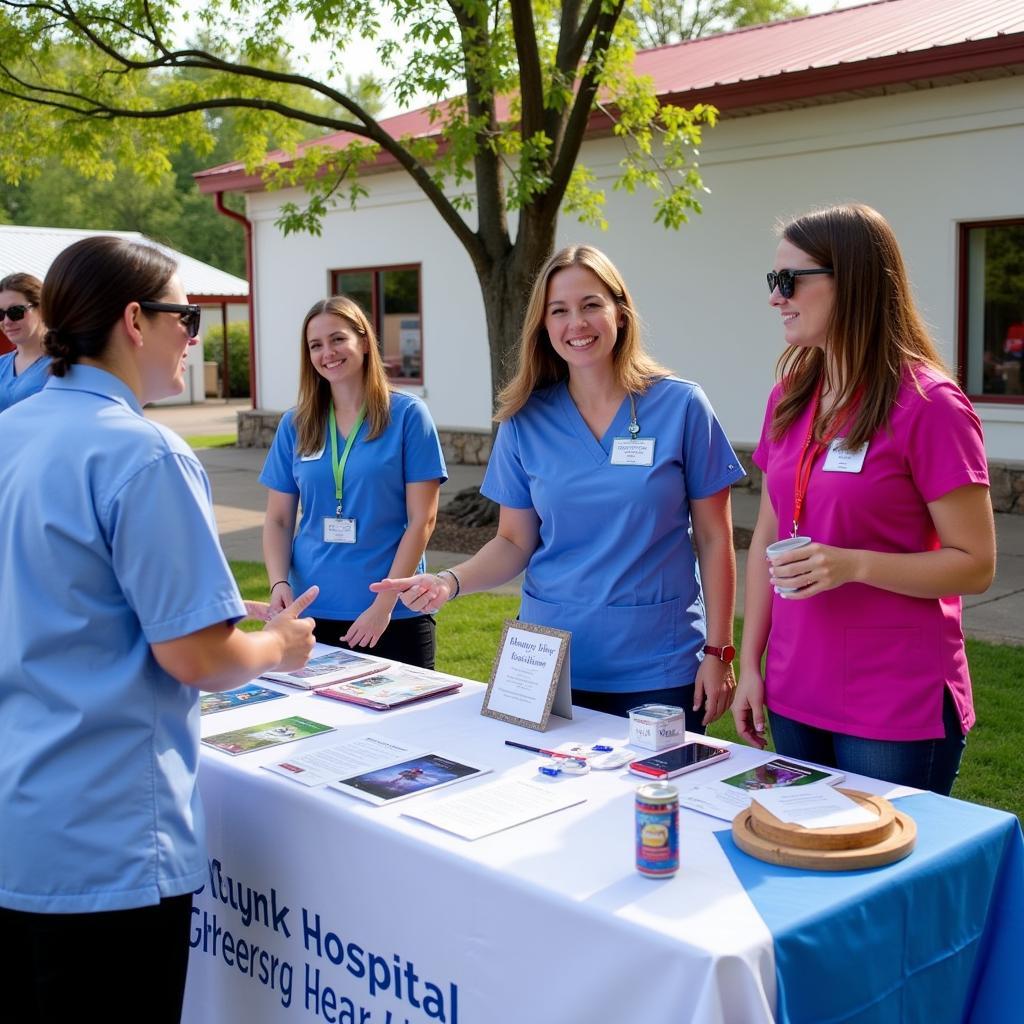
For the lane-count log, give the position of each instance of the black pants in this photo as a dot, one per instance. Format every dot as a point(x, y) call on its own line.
point(620, 703)
point(118, 965)
point(411, 641)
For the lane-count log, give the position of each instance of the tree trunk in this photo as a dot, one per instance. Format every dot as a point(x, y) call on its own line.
point(505, 285)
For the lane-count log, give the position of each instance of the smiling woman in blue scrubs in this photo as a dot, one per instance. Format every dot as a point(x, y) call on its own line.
point(602, 463)
point(118, 606)
point(365, 464)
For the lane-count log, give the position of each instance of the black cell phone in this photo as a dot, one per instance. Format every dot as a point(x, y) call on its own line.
point(678, 760)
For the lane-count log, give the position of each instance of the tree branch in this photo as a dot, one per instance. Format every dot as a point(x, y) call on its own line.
point(531, 91)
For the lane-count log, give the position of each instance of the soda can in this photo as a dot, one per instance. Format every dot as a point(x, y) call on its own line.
point(657, 830)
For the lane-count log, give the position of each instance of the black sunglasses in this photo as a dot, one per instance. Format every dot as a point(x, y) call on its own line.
point(189, 314)
point(16, 312)
point(785, 280)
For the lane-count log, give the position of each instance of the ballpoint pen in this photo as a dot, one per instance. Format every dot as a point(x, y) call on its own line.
point(545, 751)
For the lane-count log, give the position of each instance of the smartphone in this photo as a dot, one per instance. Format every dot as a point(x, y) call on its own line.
point(670, 763)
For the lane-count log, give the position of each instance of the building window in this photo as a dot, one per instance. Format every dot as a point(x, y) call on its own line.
point(391, 298)
point(992, 310)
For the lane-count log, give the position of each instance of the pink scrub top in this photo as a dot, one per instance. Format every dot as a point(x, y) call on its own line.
point(858, 660)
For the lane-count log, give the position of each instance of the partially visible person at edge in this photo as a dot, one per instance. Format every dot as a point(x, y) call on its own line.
point(23, 371)
point(602, 462)
point(365, 463)
point(118, 608)
point(870, 449)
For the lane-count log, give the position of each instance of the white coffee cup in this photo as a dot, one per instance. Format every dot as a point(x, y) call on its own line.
point(780, 547)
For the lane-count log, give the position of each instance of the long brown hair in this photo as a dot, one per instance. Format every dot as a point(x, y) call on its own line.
point(313, 406)
point(874, 331)
point(86, 291)
point(540, 366)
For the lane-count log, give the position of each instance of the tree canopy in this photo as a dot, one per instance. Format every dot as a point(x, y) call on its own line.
point(109, 88)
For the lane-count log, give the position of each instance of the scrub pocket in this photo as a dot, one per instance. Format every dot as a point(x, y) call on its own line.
point(617, 647)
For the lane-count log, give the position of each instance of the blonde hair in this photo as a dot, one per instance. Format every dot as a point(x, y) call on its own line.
point(540, 366)
point(313, 405)
point(874, 330)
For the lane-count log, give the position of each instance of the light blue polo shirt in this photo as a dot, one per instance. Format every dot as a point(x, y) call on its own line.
point(107, 544)
point(408, 451)
point(614, 564)
point(16, 386)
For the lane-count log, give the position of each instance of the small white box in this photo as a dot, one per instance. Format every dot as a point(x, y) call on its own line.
point(657, 726)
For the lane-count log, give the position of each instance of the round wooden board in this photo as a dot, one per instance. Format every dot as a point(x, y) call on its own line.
point(896, 846)
point(842, 837)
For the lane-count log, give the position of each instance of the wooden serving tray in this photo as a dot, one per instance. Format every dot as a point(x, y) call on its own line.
point(842, 848)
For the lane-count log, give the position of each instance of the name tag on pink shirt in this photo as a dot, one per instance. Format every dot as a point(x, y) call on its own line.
point(841, 460)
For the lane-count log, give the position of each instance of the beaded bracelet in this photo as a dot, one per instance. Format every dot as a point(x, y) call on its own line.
point(458, 584)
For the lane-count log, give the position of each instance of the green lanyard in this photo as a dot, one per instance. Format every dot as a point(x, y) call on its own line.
point(339, 465)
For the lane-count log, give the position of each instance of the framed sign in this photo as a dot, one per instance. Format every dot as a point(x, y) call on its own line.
point(530, 677)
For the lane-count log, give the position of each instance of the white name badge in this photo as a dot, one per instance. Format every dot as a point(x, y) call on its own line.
point(841, 460)
point(313, 457)
point(339, 531)
point(627, 451)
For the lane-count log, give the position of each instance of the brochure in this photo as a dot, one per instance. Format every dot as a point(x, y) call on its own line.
point(780, 772)
point(389, 690)
point(484, 810)
point(266, 734)
point(727, 797)
point(421, 774)
point(336, 667)
point(328, 764)
point(210, 703)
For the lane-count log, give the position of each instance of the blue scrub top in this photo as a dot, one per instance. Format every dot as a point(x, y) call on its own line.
point(614, 564)
point(408, 451)
point(14, 387)
point(108, 545)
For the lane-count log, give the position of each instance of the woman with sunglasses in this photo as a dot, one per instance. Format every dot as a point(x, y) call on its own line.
point(118, 607)
point(602, 462)
point(23, 371)
point(871, 450)
point(365, 463)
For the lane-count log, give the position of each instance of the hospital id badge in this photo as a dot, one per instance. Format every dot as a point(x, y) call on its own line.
point(633, 451)
point(842, 460)
point(339, 530)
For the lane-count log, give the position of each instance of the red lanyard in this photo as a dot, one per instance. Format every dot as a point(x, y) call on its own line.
point(805, 462)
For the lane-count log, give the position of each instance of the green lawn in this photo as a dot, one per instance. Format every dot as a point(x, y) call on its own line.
point(992, 771)
point(197, 441)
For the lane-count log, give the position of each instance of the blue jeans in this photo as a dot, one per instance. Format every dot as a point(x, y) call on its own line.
point(923, 764)
point(620, 703)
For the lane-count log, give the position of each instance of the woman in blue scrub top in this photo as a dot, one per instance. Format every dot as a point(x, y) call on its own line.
point(602, 463)
point(365, 463)
point(118, 606)
point(23, 371)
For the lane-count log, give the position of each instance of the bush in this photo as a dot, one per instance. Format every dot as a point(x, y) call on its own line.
point(238, 355)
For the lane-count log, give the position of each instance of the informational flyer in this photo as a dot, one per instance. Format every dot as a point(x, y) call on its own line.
point(328, 764)
point(241, 697)
point(493, 808)
point(266, 734)
point(407, 778)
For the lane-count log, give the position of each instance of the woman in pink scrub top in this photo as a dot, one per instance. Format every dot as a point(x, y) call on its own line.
point(870, 449)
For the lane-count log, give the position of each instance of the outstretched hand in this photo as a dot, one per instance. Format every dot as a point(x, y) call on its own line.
point(424, 592)
point(296, 633)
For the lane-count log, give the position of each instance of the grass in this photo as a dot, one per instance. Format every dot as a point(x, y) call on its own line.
point(992, 772)
point(197, 441)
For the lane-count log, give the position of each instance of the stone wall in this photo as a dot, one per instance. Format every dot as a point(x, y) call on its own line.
point(472, 447)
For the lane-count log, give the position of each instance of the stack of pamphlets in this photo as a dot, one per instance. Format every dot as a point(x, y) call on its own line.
point(335, 667)
point(390, 690)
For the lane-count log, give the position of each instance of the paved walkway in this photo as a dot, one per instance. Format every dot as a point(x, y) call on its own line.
point(996, 616)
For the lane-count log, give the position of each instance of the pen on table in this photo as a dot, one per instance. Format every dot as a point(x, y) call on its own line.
point(544, 750)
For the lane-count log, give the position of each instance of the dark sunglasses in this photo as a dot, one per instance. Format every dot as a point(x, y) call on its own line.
point(16, 312)
point(189, 314)
point(785, 280)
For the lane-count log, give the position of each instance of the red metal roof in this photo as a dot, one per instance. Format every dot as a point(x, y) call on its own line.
point(875, 44)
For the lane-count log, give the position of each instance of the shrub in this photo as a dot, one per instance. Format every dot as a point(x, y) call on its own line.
point(238, 355)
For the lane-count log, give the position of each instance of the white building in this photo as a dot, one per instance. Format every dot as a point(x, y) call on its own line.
point(915, 107)
point(223, 296)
